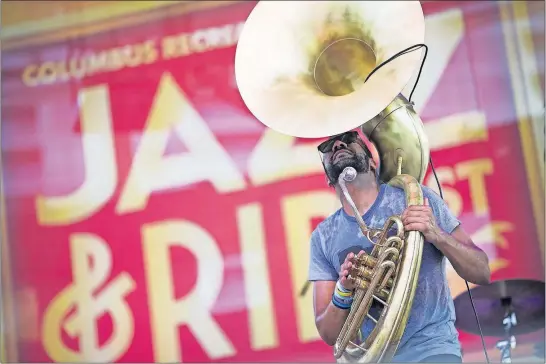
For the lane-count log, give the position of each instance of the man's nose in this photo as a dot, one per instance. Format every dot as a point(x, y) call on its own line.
point(338, 144)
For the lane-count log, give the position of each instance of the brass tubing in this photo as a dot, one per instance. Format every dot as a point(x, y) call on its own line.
point(366, 274)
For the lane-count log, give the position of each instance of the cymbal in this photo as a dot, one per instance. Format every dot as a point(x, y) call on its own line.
point(526, 298)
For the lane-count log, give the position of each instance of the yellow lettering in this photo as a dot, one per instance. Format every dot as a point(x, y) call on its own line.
point(96, 62)
point(298, 210)
point(261, 315)
point(30, 77)
point(47, 73)
point(475, 171)
point(175, 46)
point(138, 54)
point(206, 161)
point(60, 72)
point(168, 47)
point(132, 56)
point(276, 158)
point(150, 52)
point(199, 41)
point(220, 37)
point(78, 307)
point(76, 68)
point(99, 160)
point(115, 59)
point(166, 312)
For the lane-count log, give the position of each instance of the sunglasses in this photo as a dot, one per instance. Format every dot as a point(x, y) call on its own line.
point(347, 138)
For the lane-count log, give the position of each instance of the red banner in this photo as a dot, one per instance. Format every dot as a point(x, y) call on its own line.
point(151, 217)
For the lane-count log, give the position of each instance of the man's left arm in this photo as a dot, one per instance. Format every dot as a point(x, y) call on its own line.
point(469, 261)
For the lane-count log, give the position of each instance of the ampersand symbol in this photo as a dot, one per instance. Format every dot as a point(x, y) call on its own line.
point(77, 308)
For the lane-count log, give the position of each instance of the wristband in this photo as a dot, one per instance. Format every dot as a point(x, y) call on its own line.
point(340, 303)
point(342, 297)
point(342, 291)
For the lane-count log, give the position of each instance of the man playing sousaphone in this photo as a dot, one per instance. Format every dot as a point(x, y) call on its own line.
point(430, 334)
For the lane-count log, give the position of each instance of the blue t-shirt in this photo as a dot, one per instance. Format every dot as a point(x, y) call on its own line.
point(430, 329)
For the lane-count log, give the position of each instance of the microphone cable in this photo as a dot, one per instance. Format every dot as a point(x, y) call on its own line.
point(407, 50)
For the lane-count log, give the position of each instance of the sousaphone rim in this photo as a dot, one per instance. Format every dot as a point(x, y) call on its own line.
point(295, 108)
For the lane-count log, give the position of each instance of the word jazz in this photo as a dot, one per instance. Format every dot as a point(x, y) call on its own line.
point(151, 171)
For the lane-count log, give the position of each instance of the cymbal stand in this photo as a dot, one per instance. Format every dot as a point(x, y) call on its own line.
point(509, 321)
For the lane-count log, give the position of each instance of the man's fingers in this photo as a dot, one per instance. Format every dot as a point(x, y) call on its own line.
point(415, 226)
point(418, 219)
point(418, 208)
point(346, 266)
point(348, 263)
point(416, 213)
point(413, 210)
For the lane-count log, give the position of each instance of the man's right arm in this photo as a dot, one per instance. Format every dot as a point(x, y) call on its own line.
point(328, 318)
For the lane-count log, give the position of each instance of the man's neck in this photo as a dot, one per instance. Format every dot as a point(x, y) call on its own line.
point(363, 190)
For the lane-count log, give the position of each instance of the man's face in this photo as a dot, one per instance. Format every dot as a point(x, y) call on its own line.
point(344, 150)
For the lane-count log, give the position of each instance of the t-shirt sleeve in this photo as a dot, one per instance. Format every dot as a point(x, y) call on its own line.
point(444, 217)
point(320, 269)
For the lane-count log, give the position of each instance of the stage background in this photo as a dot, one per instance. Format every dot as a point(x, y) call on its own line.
point(147, 216)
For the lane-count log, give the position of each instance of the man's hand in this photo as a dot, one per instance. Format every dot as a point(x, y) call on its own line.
point(470, 262)
point(421, 218)
point(344, 271)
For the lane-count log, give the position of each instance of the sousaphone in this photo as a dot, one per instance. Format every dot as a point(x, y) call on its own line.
point(312, 69)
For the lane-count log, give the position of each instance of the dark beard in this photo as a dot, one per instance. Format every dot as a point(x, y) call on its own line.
point(358, 161)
